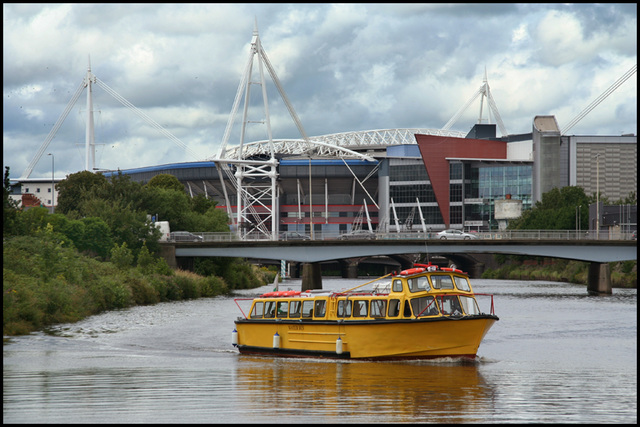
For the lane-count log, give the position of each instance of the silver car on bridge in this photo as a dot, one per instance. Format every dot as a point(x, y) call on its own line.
point(452, 234)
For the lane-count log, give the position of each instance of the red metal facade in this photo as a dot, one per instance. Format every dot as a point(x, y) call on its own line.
point(436, 149)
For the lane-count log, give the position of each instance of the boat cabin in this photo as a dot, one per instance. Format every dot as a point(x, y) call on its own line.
point(414, 293)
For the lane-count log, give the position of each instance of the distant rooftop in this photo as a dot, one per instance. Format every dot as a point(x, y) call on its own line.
point(546, 124)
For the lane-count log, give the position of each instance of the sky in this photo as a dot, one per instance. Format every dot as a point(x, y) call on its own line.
point(344, 67)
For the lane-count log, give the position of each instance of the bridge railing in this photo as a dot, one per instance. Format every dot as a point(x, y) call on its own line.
point(482, 235)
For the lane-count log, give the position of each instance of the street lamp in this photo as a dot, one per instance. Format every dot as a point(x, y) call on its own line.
point(52, 181)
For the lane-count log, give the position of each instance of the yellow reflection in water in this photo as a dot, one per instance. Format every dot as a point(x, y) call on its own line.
point(328, 390)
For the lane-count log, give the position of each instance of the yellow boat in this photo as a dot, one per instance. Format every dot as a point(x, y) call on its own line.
point(421, 313)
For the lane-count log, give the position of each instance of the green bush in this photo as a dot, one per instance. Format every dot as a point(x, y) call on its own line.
point(122, 256)
point(142, 291)
point(627, 266)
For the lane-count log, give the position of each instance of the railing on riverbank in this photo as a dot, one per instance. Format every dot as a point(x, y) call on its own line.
point(573, 235)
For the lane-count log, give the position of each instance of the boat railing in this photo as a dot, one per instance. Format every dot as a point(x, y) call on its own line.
point(492, 308)
point(242, 299)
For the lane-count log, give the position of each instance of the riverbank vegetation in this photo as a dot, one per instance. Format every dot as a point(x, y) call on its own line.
point(512, 267)
point(99, 252)
point(45, 283)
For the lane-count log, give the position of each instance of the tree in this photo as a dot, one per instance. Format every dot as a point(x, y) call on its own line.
point(32, 219)
point(214, 220)
point(9, 206)
point(76, 189)
point(631, 199)
point(145, 260)
point(121, 256)
point(556, 211)
point(97, 237)
point(201, 204)
point(169, 204)
point(123, 190)
point(127, 225)
point(167, 181)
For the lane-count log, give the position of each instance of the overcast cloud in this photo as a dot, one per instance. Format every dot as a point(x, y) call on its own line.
point(344, 67)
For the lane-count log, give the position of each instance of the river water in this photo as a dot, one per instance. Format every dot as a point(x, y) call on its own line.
point(557, 355)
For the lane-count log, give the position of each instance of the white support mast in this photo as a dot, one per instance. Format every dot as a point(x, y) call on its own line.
point(87, 82)
point(90, 143)
point(424, 226)
point(367, 213)
point(256, 182)
point(395, 216)
point(483, 91)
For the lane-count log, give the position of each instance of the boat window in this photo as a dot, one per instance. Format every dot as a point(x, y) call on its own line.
point(283, 308)
point(344, 308)
point(307, 308)
point(424, 306)
point(397, 285)
point(270, 309)
point(294, 308)
point(423, 283)
point(319, 308)
point(394, 308)
point(360, 308)
point(407, 309)
point(441, 281)
point(378, 308)
point(450, 306)
point(470, 305)
point(419, 284)
point(462, 283)
point(256, 312)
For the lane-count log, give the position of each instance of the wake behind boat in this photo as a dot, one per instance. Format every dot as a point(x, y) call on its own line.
point(422, 313)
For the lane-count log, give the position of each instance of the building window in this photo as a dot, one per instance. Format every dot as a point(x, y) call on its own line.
point(455, 171)
point(409, 193)
point(411, 172)
point(497, 181)
point(455, 192)
point(455, 214)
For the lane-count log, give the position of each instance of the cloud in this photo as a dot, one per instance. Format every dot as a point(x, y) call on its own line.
point(344, 67)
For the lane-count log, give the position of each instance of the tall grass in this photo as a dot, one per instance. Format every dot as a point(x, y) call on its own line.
point(45, 283)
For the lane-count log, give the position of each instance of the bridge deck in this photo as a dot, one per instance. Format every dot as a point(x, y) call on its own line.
point(325, 250)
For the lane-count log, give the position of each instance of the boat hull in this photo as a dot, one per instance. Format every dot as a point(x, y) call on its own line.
point(371, 339)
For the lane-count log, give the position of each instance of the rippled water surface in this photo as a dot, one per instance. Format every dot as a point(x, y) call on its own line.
point(556, 355)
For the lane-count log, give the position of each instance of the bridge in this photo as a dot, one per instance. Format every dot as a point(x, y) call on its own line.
point(311, 252)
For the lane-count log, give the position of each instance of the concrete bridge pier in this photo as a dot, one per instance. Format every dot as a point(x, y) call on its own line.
point(168, 252)
point(311, 276)
point(599, 281)
point(476, 271)
point(294, 270)
point(349, 269)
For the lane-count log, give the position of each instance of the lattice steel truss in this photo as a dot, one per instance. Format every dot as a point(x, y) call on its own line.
point(338, 144)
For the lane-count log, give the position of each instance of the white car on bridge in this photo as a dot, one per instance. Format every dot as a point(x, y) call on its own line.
point(452, 234)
